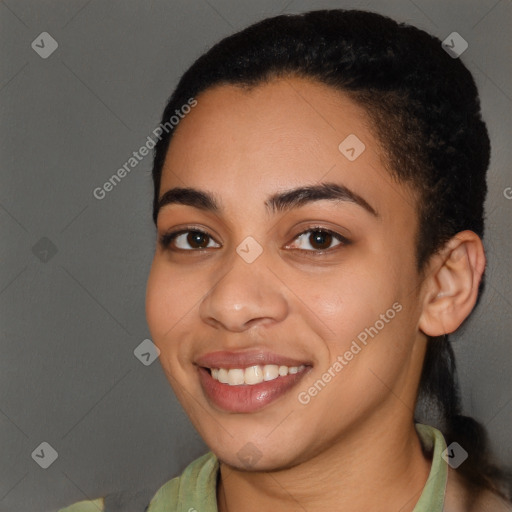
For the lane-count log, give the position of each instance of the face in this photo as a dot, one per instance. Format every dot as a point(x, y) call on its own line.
point(284, 296)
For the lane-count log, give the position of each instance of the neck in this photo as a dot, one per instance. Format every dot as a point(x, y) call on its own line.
point(375, 468)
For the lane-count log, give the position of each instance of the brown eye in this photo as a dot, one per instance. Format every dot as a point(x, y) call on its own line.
point(197, 239)
point(187, 240)
point(319, 240)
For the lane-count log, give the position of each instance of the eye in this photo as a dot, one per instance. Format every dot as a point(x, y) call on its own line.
point(319, 239)
point(194, 238)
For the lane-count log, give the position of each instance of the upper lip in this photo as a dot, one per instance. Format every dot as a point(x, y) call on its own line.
point(227, 359)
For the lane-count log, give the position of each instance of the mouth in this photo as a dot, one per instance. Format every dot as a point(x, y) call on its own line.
point(253, 375)
point(234, 387)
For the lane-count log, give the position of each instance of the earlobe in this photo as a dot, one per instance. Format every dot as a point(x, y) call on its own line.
point(452, 287)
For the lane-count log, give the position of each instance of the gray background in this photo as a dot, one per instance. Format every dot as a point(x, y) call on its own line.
point(70, 321)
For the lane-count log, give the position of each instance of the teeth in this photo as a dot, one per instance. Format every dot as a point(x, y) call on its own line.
point(235, 377)
point(222, 376)
point(270, 372)
point(253, 374)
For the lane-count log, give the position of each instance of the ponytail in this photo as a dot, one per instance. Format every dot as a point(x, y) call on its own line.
point(439, 402)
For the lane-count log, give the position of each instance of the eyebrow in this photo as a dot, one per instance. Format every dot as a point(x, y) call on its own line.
point(279, 202)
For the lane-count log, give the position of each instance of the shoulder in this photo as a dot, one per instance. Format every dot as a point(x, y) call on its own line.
point(195, 487)
point(460, 498)
point(85, 506)
point(490, 502)
point(197, 483)
point(458, 495)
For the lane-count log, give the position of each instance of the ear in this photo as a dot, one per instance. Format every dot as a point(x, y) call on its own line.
point(451, 286)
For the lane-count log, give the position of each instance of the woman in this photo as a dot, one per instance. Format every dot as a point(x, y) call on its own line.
point(319, 209)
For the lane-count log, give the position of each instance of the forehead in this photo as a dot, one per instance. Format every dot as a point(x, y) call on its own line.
point(251, 142)
point(284, 117)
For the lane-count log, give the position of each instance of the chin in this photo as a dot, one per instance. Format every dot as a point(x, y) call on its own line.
point(253, 457)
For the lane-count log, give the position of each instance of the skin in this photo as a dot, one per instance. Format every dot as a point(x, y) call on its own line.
point(353, 446)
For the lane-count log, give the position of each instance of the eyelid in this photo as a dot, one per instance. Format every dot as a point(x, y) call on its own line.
point(166, 238)
point(344, 241)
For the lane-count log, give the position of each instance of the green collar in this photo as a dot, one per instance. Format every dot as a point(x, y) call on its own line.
point(196, 488)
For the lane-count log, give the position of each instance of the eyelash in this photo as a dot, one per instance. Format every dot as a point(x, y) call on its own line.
point(166, 239)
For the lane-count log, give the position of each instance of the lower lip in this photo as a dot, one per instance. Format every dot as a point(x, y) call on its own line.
point(247, 398)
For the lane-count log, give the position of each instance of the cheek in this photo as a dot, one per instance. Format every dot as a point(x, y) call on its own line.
point(166, 303)
point(156, 300)
point(349, 302)
point(370, 327)
point(164, 309)
point(172, 301)
point(169, 297)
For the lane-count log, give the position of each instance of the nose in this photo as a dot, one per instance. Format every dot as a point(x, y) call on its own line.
point(247, 294)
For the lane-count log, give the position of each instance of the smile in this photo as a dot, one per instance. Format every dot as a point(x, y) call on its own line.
point(253, 374)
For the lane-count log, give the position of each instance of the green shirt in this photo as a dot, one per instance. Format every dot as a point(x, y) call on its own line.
point(196, 488)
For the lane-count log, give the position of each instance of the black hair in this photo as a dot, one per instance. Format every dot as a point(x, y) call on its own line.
point(424, 109)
